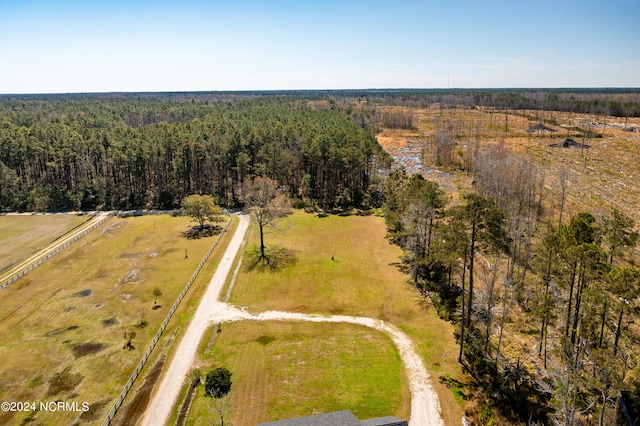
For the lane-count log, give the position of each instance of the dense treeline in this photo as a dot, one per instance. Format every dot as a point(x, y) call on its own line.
point(614, 102)
point(111, 153)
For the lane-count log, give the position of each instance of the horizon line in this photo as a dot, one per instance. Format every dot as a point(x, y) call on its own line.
point(371, 89)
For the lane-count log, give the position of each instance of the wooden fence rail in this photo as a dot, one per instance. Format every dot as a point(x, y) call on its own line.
point(45, 257)
point(125, 390)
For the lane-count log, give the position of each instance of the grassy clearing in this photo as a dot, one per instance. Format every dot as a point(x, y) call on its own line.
point(22, 235)
point(63, 325)
point(283, 370)
point(361, 281)
point(173, 333)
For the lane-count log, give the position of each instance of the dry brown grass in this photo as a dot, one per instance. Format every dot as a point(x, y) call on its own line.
point(603, 176)
point(23, 235)
point(53, 328)
point(141, 391)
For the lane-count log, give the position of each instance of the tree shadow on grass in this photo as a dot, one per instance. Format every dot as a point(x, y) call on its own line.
point(195, 232)
point(275, 258)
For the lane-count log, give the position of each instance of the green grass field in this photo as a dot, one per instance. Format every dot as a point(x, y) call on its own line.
point(63, 325)
point(361, 281)
point(283, 370)
point(21, 236)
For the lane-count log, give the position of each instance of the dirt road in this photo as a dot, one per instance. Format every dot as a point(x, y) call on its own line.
point(159, 408)
point(425, 407)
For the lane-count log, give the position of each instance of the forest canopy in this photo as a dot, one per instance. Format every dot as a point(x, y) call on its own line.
point(124, 152)
point(150, 150)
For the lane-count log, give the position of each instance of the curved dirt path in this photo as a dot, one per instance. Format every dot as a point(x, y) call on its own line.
point(425, 407)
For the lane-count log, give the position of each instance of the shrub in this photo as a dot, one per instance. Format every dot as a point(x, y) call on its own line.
point(218, 382)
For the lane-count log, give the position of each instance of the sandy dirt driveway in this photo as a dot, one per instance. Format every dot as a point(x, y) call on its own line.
point(162, 400)
point(425, 407)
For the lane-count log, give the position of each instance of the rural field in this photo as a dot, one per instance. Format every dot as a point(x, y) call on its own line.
point(548, 286)
point(66, 325)
point(22, 235)
point(361, 280)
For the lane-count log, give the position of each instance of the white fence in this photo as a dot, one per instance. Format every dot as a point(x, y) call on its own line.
point(152, 345)
point(49, 255)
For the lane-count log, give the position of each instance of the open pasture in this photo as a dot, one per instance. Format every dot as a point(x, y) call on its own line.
point(361, 280)
point(22, 235)
point(283, 370)
point(65, 325)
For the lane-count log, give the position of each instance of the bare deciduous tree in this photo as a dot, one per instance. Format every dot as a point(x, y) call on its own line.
point(266, 203)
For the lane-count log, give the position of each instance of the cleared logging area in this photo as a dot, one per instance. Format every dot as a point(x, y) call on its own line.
point(66, 326)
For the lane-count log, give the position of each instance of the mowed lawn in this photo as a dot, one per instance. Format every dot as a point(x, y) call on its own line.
point(23, 235)
point(282, 370)
point(361, 280)
point(63, 326)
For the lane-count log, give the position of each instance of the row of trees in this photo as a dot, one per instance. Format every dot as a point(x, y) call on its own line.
point(579, 298)
point(107, 154)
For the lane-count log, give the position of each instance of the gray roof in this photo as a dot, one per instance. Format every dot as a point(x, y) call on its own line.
point(337, 418)
point(384, 421)
point(342, 418)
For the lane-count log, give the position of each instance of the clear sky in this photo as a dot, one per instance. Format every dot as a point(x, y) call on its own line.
point(62, 46)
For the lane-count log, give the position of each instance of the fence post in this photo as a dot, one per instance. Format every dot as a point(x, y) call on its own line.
point(116, 406)
point(39, 261)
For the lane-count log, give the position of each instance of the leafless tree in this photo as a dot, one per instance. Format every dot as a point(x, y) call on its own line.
point(267, 204)
point(563, 177)
point(222, 408)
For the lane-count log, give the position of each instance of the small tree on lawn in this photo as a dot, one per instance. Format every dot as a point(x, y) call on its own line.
point(156, 293)
point(218, 382)
point(201, 208)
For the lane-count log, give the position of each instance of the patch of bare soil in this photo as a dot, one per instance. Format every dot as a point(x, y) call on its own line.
point(82, 293)
point(85, 349)
point(64, 381)
point(94, 413)
point(59, 331)
point(109, 322)
point(569, 143)
point(184, 409)
point(540, 128)
point(130, 414)
point(132, 276)
point(113, 228)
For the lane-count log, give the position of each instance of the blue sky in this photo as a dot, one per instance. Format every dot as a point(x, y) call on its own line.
point(95, 46)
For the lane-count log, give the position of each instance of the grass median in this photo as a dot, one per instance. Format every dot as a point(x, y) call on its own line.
point(282, 370)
